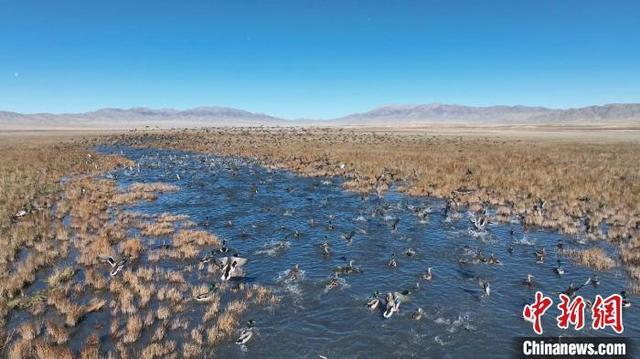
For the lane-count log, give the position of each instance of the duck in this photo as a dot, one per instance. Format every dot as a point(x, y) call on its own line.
point(204, 297)
point(223, 249)
point(374, 301)
point(326, 249)
point(417, 315)
point(410, 252)
point(246, 334)
point(540, 255)
point(529, 281)
point(559, 270)
point(393, 305)
point(428, 275)
point(479, 223)
point(510, 248)
point(392, 262)
point(572, 290)
point(348, 269)
point(232, 267)
point(118, 265)
point(394, 226)
point(625, 301)
point(348, 236)
point(486, 287)
point(334, 282)
point(493, 260)
point(595, 281)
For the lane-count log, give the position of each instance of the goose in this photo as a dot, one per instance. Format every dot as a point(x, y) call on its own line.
point(529, 281)
point(374, 301)
point(559, 270)
point(417, 315)
point(486, 287)
point(427, 275)
point(246, 334)
point(203, 297)
point(625, 301)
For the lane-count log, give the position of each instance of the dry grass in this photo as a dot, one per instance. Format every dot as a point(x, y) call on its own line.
point(585, 181)
point(594, 258)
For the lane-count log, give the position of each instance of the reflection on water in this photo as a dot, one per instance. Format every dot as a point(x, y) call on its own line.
point(278, 220)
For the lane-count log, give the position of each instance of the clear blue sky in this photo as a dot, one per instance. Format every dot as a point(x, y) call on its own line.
point(315, 58)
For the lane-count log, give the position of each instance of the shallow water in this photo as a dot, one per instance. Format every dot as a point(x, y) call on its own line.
point(311, 321)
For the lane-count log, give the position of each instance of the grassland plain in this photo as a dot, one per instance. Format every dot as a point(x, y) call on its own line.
point(585, 184)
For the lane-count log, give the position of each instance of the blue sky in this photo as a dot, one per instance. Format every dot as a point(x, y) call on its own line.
point(316, 59)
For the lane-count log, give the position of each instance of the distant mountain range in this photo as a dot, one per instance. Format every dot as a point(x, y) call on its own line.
point(389, 116)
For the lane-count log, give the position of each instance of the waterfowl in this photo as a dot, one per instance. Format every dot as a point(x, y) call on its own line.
point(529, 281)
point(326, 249)
point(207, 257)
point(246, 334)
point(572, 290)
point(223, 249)
point(493, 260)
point(394, 226)
point(204, 297)
point(118, 266)
point(625, 301)
point(479, 223)
point(374, 301)
point(510, 248)
point(595, 281)
point(348, 269)
point(486, 287)
point(560, 245)
point(427, 275)
point(393, 305)
point(348, 236)
point(232, 267)
point(334, 282)
point(559, 270)
point(294, 272)
point(417, 315)
point(540, 255)
point(410, 252)
point(392, 262)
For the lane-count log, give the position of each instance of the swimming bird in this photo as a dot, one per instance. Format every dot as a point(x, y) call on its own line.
point(374, 301)
point(625, 301)
point(206, 296)
point(479, 223)
point(493, 260)
point(486, 287)
point(392, 262)
point(410, 252)
point(540, 255)
point(334, 282)
point(510, 248)
point(393, 305)
point(559, 270)
point(529, 281)
point(246, 334)
point(394, 226)
point(348, 269)
point(326, 249)
point(595, 281)
point(417, 315)
point(428, 275)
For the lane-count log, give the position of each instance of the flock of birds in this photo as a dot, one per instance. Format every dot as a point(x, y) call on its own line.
point(232, 266)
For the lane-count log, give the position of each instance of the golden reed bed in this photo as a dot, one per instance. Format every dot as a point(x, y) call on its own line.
point(57, 219)
point(589, 185)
